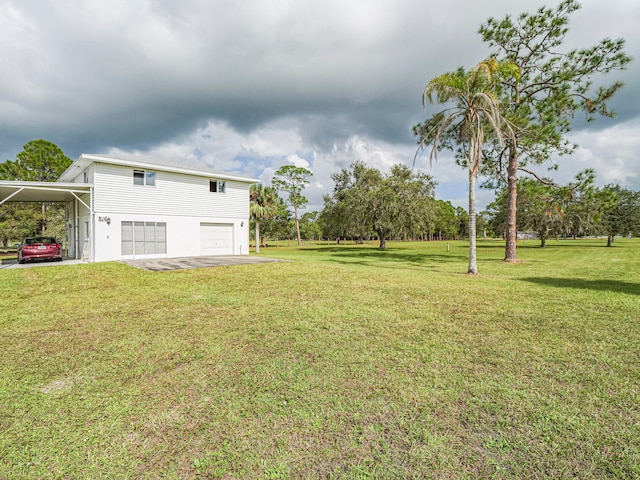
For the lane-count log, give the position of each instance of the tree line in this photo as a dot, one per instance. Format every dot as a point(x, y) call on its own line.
point(367, 204)
point(574, 210)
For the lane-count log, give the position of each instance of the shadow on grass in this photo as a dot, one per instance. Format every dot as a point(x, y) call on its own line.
point(584, 244)
point(367, 256)
point(551, 244)
point(600, 285)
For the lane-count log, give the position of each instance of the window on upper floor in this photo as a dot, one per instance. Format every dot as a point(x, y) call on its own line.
point(217, 186)
point(144, 177)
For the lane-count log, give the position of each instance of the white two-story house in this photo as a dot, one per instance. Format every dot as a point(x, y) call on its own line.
point(133, 207)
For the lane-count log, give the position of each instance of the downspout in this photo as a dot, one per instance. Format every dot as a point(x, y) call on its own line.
point(66, 225)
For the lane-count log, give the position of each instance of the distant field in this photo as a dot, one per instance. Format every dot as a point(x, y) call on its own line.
point(347, 362)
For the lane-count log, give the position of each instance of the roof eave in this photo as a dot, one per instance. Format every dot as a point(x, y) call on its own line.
point(87, 159)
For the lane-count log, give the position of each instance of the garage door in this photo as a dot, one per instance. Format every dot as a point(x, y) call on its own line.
point(216, 239)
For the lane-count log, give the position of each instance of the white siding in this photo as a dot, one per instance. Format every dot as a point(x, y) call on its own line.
point(183, 236)
point(173, 194)
point(79, 178)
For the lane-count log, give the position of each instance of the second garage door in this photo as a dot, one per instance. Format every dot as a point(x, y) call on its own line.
point(216, 239)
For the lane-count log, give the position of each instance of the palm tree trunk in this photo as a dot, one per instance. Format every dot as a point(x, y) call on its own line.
point(298, 227)
point(257, 236)
point(473, 267)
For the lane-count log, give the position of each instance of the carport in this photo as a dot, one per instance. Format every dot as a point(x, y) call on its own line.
point(74, 195)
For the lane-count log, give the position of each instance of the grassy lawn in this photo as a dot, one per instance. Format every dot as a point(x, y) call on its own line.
point(345, 363)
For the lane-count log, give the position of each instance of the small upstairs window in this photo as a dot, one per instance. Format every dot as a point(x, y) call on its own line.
point(138, 177)
point(217, 186)
point(142, 177)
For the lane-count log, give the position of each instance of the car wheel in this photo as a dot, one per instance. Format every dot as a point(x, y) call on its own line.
point(20, 259)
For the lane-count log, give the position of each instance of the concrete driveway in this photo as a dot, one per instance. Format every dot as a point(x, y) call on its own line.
point(160, 264)
point(165, 264)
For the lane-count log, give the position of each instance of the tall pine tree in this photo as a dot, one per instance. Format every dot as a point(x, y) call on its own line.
point(552, 87)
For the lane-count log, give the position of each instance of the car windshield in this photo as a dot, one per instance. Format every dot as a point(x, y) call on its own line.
point(33, 241)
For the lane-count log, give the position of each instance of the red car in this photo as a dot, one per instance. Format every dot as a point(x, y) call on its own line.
point(39, 248)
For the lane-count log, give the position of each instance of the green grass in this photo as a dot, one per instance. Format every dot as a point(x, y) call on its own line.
point(345, 363)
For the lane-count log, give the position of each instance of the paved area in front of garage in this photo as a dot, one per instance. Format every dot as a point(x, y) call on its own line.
point(159, 264)
point(165, 264)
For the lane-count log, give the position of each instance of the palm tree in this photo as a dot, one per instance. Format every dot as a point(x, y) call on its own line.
point(263, 206)
point(475, 111)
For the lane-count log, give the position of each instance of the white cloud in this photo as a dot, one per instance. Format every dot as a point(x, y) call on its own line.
point(298, 161)
point(612, 152)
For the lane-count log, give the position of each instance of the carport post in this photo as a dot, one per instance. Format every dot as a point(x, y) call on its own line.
point(77, 224)
point(92, 216)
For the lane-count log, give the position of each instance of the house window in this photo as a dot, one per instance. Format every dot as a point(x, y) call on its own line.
point(143, 238)
point(138, 177)
point(217, 186)
point(142, 177)
point(86, 177)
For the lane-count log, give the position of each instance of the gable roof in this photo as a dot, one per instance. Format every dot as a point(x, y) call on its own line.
point(149, 163)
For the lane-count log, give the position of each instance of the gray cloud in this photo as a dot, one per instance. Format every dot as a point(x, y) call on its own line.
point(224, 82)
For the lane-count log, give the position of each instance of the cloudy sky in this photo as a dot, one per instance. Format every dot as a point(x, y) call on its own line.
point(248, 86)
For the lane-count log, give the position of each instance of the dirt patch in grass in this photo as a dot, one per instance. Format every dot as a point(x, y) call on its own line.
point(56, 386)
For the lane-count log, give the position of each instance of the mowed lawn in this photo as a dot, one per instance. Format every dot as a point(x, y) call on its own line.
point(346, 362)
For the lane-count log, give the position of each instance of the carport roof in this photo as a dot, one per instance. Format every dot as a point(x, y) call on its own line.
point(17, 191)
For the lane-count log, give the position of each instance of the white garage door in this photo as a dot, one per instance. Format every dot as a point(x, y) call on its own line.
point(216, 239)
